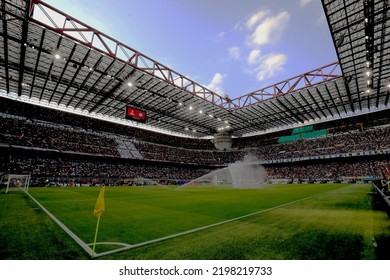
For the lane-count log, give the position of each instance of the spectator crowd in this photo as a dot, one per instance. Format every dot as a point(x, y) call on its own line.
point(89, 170)
point(167, 158)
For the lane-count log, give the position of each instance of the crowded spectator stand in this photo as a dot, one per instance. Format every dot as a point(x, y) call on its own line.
point(62, 148)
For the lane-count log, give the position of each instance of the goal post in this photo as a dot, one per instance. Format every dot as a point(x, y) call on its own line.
point(16, 182)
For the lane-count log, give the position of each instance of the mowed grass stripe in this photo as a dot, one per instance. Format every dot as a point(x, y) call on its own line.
point(206, 227)
point(324, 227)
point(335, 225)
point(27, 232)
point(135, 215)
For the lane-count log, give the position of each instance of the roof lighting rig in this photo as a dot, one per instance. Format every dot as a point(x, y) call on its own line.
point(369, 39)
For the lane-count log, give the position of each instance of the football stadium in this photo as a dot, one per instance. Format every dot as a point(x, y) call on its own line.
point(109, 154)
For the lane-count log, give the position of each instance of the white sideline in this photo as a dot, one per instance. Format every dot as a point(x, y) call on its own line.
point(68, 231)
point(128, 247)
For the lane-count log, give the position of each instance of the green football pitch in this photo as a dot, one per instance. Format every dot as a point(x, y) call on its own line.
point(307, 221)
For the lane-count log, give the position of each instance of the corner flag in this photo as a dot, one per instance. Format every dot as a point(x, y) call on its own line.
point(100, 206)
point(98, 211)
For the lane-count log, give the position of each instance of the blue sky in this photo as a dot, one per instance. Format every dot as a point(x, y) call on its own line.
point(232, 47)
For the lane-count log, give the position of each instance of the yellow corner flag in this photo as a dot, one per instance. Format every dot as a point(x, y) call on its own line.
point(100, 206)
point(98, 211)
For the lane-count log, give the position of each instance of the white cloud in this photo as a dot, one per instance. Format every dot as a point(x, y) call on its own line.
point(220, 36)
point(303, 3)
point(270, 65)
point(255, 18)
point(263, 28)
point(254, 56)
point(216, 82)
point(234, 53)
point(269, 29)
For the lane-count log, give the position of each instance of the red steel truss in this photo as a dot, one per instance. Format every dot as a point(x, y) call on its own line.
point(66, 25)
point(308, 79)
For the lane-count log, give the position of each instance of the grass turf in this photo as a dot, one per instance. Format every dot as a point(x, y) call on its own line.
point(321, 227)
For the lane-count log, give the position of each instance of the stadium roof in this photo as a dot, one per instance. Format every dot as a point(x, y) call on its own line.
point(52, 59)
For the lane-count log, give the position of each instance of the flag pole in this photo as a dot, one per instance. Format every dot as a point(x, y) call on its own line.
point(96, 232)
point(98, 211)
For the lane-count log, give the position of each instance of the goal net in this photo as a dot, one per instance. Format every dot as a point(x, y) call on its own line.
point(16, 182)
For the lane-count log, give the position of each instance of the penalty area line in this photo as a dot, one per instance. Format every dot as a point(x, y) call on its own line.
point(125, 248)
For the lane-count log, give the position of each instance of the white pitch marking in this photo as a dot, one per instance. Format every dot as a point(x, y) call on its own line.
point(204, 227)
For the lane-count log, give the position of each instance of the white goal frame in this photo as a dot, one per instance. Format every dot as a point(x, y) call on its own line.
point(10, 177)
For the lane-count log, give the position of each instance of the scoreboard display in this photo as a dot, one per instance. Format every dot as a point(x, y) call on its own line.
point(135, 114)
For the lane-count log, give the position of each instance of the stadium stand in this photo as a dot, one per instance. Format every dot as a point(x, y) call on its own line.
point(59, 147)
point(334, 126)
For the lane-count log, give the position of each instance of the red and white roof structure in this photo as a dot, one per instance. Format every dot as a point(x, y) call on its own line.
point(51, 59)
